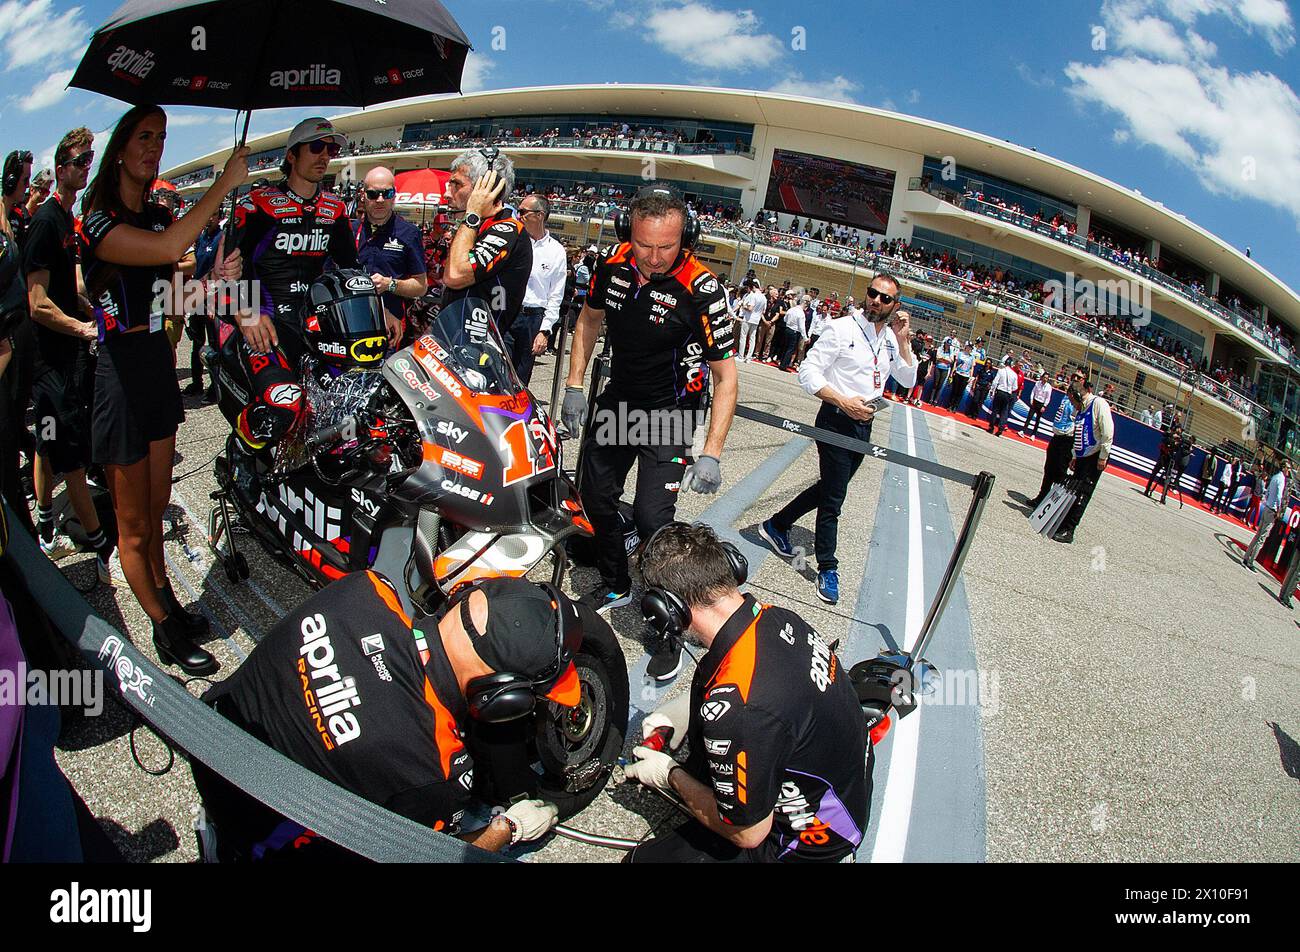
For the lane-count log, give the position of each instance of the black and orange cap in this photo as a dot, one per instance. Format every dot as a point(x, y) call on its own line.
point(532, 631)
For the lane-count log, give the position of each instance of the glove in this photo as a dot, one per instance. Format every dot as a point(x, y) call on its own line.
point(531, 820)
point(703, 476)
point(675, 714)
point(573, 412)
point(651, 768)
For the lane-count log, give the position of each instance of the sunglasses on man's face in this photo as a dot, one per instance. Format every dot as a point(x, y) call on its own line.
point(321, 145)
point(82, 161)
point(884, 298)
point(380, 194)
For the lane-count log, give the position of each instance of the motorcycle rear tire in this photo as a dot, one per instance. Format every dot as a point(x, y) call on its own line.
point(602, 670)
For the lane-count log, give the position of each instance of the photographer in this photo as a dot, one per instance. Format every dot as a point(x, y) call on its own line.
point(780, 765)
point(847, 370)
point(670, 333)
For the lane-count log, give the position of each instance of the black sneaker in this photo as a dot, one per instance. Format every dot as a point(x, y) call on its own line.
point(666, 661)
point(604, 599)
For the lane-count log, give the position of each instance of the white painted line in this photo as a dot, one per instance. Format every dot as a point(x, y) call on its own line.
point(896, 804)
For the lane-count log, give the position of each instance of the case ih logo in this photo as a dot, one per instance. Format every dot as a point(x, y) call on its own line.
point(131, 65)
point(317, 76)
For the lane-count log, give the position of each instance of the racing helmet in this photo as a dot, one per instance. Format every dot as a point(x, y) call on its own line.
point(343, 320)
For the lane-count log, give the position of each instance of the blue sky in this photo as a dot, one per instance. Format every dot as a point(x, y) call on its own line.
point(1192, 102)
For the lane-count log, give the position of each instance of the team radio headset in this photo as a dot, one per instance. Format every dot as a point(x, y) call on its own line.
point(14, 163)
point(503, 695)
point(690, 224)
point(666, 612)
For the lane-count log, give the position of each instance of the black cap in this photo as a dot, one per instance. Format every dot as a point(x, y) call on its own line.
point(521, 629)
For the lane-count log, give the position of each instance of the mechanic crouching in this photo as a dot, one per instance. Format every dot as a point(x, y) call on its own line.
point(779, 768)
point(349, 688)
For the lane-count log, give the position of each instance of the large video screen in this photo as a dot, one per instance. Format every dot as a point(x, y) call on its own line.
point(830, 190)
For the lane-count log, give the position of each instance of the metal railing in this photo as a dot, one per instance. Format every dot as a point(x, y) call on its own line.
point(1245, 321)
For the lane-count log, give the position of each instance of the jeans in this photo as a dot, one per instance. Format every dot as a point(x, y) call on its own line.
point(836, 467)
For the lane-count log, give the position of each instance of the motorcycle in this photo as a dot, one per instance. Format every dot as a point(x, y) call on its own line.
point(434, 467)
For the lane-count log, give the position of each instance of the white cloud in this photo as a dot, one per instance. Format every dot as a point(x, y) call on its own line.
point(478, 66)
point(1238, 132)
point(840, 89)
point(33, 33)
point(1140, 25)
point(47, 92)
point(181, 120)
point(1121, 136)
point(1039, 79)
point(709, 37)
point(913, 97)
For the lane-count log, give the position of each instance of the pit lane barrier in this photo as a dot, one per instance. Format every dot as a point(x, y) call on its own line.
point(155, 696)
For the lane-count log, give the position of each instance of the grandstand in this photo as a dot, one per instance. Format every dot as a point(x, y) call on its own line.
point(974, 226)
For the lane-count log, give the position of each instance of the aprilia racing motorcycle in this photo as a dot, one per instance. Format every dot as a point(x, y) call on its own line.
point(434, 467)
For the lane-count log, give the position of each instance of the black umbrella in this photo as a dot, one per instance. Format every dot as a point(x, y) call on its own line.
point(264, 54)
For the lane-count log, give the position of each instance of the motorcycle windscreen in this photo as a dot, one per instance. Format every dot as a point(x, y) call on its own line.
point(467, 331)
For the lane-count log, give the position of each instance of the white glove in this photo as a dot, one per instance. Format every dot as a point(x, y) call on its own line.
point(675, 714)
point(532, 819)
point(703, 476)
point(651, 768)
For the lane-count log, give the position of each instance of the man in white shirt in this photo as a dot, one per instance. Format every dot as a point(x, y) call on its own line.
point(796, 331)
point(751, 312)
point(1274, 502)
point(1094, 435)
point(847, 369)
point(545, 292)
point(1005, 391)
point(1039, 398)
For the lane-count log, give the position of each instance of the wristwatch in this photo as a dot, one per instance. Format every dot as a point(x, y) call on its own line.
point(474, 220)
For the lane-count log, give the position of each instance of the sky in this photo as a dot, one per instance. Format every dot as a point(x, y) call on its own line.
point(1193, 103)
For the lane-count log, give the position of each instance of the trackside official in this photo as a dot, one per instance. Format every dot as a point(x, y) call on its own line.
point(780, 764)
point(847, 368)
point(348, 687)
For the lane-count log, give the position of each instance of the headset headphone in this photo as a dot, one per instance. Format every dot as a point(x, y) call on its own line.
point(503, 695)
point(667, 612)
point(14, 162)
point(690, 224)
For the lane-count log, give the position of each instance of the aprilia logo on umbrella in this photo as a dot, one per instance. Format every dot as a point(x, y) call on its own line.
point(130, 64)
point(316, 76)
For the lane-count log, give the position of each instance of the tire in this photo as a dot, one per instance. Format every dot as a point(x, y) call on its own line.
point(585, 743)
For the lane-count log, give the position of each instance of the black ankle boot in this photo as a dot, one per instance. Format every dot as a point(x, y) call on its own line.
point(194, 625)
point(175, 647)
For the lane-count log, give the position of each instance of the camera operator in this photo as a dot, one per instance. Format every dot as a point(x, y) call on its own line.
point(667, 319)
point(347, 687)
point(780, 765)
point(847, 369)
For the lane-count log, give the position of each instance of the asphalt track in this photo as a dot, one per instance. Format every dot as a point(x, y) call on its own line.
point(1133, 696)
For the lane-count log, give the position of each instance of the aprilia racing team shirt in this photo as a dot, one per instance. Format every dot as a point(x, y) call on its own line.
point(664, 332)
point(340, 688)
point(776, 727)
point(126, 298)
point(501, 260)
point(286, 240)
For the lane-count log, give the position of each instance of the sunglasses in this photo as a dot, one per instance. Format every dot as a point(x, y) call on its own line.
point(82, 161)
point(380, 194)
point(321, 145)
point(873, 294)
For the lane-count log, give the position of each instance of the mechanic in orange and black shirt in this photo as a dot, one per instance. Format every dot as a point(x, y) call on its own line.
point(780, 765)
point(491, 256)
point(667, 322)
point(349, 688)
